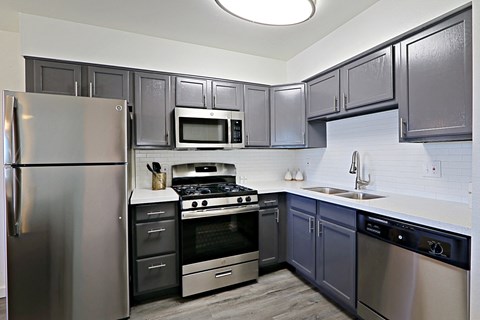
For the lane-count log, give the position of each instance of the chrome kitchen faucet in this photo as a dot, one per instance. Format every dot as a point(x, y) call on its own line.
point(355, 169)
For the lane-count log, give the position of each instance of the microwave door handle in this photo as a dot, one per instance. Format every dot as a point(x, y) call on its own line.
point(229, 133)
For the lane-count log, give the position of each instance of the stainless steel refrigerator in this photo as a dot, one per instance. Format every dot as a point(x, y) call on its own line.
point(65, 164)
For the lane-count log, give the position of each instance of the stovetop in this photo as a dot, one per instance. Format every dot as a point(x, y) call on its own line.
point(212, 190)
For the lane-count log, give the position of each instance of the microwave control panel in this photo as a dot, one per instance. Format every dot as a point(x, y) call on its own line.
point(236, 131)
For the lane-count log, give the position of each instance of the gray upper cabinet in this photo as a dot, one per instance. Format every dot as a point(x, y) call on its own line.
point(108, 83)
point(227, 95)
point(368, 80)
point(192, 92)
point(152, 109)
point(323, 95)
point(435, 102)
point(53, 77)
point(288, 115)
point(257, 116)
point(206, 93)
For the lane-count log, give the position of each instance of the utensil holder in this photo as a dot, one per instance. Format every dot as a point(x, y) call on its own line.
point(159, 181)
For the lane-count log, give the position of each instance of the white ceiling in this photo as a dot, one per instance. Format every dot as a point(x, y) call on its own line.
point(199, 22)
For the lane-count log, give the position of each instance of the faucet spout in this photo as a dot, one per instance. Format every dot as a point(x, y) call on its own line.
point(355, 169)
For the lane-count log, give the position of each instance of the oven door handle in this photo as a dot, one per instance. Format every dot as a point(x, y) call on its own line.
point(254, 208)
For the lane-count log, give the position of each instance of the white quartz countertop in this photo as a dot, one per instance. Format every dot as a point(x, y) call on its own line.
point(140, 196)
point(444, 215)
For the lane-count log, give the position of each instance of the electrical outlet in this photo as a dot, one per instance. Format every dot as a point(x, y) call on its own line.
point(433, 169)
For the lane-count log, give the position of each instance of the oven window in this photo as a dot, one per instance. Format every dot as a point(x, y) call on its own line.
point(218, 237)
point(195, 130)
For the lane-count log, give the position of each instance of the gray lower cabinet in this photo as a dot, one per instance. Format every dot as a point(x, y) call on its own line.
point(301, 234)
point(108, 83)
point(435, 102)
point(152, 110)
point(272, 229)
point(288, 120)
point(53, 77)
point(257, 116)
point(336, 252)
point(153, 248)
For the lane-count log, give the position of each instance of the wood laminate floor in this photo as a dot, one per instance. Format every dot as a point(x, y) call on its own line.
point(279, 295)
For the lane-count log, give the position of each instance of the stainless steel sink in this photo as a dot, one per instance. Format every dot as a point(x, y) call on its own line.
point(326, 190)
point(360, 196)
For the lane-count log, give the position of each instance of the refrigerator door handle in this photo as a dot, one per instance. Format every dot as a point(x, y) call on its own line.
point(10, 138)
point(12, 200)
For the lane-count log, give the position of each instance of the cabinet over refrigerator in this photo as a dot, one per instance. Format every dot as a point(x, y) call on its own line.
point(65, 161)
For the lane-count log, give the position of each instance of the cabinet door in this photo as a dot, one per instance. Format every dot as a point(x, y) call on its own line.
point(227, 95)
point(257, 116)
point(323, 95)
point(190, 92)
point(288, 115)
point(336, 261)
point(152, 109)
point(436, 82)
point(368, 80)
point(268, 236)
point(302, 242)
point(57, 78)
point(108, 83)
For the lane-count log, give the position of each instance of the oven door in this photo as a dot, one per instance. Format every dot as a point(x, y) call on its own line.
point(214, 237)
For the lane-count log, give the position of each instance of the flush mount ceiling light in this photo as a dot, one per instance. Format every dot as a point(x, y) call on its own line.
point(270, 12)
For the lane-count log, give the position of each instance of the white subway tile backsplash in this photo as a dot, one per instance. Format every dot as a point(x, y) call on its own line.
point(393, 166)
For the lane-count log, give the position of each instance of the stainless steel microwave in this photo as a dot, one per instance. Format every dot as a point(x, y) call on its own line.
point(208, 129)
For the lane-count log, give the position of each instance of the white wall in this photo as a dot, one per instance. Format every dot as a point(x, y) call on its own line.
point(475, 272)
point(12, 77)
point(59, 39)
point(384, 20)
point(394, 167)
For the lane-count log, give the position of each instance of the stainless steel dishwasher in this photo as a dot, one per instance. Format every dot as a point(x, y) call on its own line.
point(408, 271)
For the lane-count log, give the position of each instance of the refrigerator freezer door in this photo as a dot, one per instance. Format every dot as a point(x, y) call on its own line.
point(52, 129)
point(69, 258)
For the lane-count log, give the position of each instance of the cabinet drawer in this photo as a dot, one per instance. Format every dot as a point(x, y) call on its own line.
point(155, 237)
point(157, 272)
point(338, 214)
point(306, 205)
point(268, 200)
point(148, 212)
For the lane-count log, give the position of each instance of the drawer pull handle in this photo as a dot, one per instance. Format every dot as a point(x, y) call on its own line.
point(156, 230)
point(155, 213)
point(224, 274)
point(156, 266)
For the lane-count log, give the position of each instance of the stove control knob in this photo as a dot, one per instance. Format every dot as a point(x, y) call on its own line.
point(204, 203)
point(248, 199)
point(194, 204)
point(240, 200)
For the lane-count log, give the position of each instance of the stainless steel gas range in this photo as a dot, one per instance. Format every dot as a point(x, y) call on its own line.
point(219, 227)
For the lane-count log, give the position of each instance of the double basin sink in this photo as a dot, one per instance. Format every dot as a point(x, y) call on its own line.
point(345, 193)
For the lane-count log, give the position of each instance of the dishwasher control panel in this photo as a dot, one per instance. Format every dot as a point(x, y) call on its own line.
point(441, 245)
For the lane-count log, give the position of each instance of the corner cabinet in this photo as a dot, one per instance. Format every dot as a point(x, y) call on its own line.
point(336, 252)
point(257, 116)
point(288, 115)
point(152, 110)
point(154, 260)
point(435, 102)
point(301, 218)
